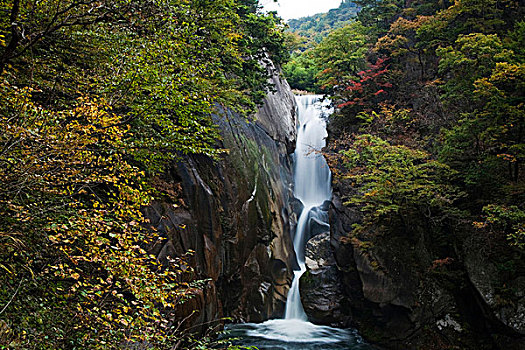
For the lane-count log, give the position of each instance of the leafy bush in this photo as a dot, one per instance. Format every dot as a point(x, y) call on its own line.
point(399, 185)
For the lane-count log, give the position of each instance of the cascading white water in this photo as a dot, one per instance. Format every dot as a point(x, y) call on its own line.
point(294, 307)
point(311, 173)
point(311, 186)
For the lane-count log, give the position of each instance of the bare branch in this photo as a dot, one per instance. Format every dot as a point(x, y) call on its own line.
point(13, 297)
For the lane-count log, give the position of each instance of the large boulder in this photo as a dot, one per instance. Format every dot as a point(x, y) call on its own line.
point(501, 295)
point(320, 286)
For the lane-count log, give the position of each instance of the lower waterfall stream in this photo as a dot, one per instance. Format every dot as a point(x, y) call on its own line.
point(312, 179)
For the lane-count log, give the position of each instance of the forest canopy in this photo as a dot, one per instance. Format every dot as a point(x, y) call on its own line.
point(440, 77)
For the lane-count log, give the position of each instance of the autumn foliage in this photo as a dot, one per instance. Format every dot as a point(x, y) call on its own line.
point(72, 215)
point(367, 90)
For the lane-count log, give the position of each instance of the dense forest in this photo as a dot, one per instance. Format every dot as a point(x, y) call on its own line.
point(317, 26)
point(96, 97)
point(99, 97)
point(434, 91)
point(305, 33)
point(427, 138)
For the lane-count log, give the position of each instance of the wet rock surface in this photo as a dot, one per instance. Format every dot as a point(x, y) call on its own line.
point(321, 287)
point(487, 281)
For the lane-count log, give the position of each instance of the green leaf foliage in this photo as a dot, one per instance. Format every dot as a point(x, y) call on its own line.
point(447, 95)
point(301, 73)
point(318, 26)
point(510, 220)
point(398, 185)
point(341, 55)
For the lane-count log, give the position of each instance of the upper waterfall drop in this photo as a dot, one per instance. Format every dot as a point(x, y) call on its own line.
point(312, 176)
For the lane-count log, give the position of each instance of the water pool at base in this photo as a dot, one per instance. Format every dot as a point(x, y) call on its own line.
point(295, 335)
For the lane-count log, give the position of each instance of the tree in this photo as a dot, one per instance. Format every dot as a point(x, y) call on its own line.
point(341, 55)
point(301, 72)
point(472, 57)
point(366, 91)
point(73, 236)
point(487, 141)
point(378, 14)
point(487, 144)
point(96, 98)
point(398, 186)
point(401, 45)
point(29, 23)
point(506, 219)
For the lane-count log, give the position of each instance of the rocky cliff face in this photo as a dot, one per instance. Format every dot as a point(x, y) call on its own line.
point(397, 295)
point(234, 214)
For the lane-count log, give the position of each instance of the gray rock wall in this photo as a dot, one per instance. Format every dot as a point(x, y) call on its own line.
point(234, 214)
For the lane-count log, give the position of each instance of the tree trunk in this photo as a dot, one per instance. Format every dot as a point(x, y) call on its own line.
point(15, 36)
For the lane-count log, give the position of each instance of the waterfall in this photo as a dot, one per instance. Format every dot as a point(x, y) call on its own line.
point(311, 187)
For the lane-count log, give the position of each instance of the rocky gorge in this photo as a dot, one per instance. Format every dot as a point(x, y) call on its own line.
point(238, 215)
point(396, 295)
